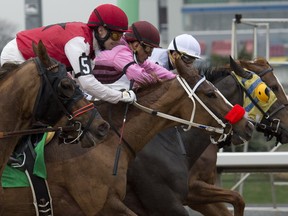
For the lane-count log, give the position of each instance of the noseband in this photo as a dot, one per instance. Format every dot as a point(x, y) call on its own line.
point(50, 106)
point(268, 126)
point(224, 131)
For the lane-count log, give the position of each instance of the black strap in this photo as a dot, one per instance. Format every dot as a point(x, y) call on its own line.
point(38, 185)
point(175, 46)
point(44, 77)
point(252, 100)
point(126, 66)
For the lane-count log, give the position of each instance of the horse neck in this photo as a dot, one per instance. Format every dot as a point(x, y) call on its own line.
point(140, 126)
point(18, 92)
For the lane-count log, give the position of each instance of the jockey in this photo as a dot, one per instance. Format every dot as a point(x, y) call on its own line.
point(129, 61)
point(74, 44)
point(184, 45)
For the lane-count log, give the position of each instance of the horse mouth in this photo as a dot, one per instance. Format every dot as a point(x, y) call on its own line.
point(282, 138)
point(242, 137)
point(238, 140)
point(93, 137)
point(90, 140)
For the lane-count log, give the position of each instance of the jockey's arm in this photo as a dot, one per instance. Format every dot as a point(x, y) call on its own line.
point(77, 52)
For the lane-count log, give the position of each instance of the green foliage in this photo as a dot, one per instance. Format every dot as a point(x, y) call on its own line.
point(7, 33)
point(257, 188)
point(223, 60)
point(218, 60)
point(243, 54)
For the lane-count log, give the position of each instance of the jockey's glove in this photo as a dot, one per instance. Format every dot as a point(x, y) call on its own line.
point(128, 96)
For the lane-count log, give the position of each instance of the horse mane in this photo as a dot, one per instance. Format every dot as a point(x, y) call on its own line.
point(146, 96)
point(6, 68)
point(153, 90)
point(213, 73)
point(259, 61)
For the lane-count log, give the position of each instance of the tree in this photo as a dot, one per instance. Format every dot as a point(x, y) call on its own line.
point(7, 32)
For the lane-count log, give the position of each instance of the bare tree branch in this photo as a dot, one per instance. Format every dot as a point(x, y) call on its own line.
point(7, 32)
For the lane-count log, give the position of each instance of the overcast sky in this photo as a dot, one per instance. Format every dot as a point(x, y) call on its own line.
point(53, 11)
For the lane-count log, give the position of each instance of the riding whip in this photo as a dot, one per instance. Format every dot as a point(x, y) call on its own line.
point(118, 150)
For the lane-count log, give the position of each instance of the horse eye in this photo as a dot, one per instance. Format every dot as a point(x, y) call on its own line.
point(211, 94)
point(274, 88)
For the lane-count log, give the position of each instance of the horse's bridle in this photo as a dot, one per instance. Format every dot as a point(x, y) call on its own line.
point(268, 125)
point(64, 104)
point(191, 94)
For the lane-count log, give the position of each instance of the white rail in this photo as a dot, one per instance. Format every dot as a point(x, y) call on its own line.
point(253, 23)
point(252, 162)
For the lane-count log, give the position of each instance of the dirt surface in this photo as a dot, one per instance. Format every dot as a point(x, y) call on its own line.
point(257, 211)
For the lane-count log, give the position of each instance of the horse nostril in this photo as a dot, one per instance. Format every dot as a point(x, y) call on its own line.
point(103, 129)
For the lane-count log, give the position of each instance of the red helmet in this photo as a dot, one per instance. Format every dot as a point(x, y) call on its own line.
point(109, 16)
point(145, 32)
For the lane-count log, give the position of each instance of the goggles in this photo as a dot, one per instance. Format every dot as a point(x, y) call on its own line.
point(186, 58)
point(147, 49)
point(115, 36)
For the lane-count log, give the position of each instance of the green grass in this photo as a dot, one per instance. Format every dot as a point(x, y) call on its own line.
point(257, 188)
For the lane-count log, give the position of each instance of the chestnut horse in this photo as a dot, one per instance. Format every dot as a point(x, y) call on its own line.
point(162, 178)
point(25, 101)
point(82, 181)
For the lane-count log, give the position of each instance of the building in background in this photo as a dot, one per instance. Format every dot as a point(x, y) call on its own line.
point(210, 22)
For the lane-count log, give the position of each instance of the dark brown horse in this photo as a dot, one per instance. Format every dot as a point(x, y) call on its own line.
point(39, 91)
point(163, 179)
point(81, 180)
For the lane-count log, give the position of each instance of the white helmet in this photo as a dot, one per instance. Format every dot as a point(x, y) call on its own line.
point(187, 44)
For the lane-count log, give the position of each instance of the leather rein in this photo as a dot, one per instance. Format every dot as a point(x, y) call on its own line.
point(76, 126)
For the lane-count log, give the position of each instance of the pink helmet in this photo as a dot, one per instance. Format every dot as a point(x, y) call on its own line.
point(109, 16)
point(144, 32)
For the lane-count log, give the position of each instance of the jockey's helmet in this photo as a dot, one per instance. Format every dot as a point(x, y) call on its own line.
point(109, 16)
point(186, 44)
point(144, 32)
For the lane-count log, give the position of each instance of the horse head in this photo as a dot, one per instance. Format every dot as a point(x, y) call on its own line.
point(41, 95)
point(264, 106)
point(210, 96)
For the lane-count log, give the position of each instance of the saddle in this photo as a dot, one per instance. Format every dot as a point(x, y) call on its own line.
point(27, 158)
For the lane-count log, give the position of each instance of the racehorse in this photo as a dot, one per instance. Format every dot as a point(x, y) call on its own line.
point(39, 93)
point(83, 182)
point(164, 177)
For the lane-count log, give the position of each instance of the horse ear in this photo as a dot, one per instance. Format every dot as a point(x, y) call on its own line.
point(239, 70)
point(42, 50)
point(35, 49)
point(43, 55)
point(66, 88)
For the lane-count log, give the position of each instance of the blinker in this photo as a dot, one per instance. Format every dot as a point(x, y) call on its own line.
point(262, 92)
